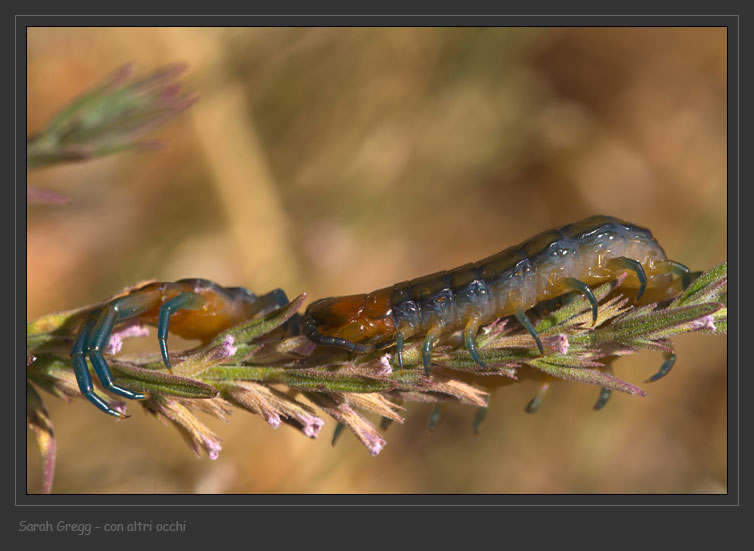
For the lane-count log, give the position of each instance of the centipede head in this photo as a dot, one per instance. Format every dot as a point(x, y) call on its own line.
point(346, 321)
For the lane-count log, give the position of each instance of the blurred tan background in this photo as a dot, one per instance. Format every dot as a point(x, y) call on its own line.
point(335, 161)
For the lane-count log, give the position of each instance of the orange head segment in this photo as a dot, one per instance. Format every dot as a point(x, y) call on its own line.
point(355, 318)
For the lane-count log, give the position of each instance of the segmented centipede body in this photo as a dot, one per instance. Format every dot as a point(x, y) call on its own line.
point(575, 257)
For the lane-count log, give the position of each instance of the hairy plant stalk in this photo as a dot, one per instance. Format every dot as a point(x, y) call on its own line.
point(256, 367)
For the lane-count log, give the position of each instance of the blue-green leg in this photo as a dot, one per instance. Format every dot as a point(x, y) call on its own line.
point(119, 309)
point(585, 290)
point(469, 337)
point(434, 418)
point(680, 270)
point(399, 349)
point(81, 370)
point(385, 422)
point(604, 395)
point(429, 342)
point(540, 396)
point(479, 416)
point(184, 301)
point(633, 265)
point(526, 322)
point(337, 432)
point(103, 373)
point(666, 366)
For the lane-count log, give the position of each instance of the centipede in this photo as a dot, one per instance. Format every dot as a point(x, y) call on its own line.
point(190, 308)
point(573, 258)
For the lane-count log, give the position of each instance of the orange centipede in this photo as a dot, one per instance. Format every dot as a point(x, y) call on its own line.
point(575, 257)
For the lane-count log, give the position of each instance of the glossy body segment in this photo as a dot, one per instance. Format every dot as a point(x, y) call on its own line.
point(191, 308)
point(578, 257)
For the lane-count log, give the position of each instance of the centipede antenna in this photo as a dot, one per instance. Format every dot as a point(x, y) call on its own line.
point(636, 267)
point(585, 290)
point(665, 368)
point(526, 322)
point(479, 416)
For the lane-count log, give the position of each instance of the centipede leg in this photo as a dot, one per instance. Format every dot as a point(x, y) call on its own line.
point(337, 432)
point(479, 416)
point(680, 270)
point(585, 290)
point(604, 394)
point(120, 309)
point(623, 262)
point(184, 301)
point(666, 366)
point(81, 370)
point(385, 422)
point(429, 341)
point(540, 396)
point(434, 418)
point(469, 337)
point(399, 349)
point(526, 322)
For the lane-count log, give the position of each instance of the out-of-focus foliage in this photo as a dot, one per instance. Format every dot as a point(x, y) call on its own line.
point(104, 120)
point(332, 161)
point(108, 118)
